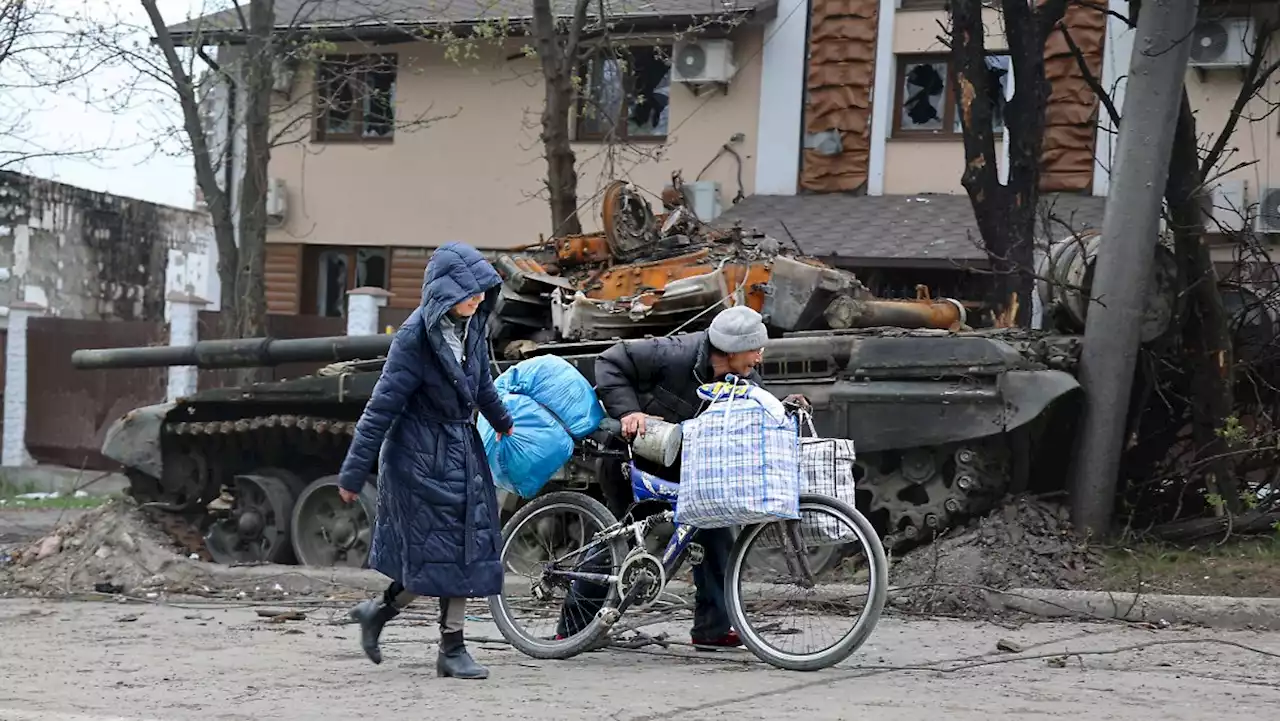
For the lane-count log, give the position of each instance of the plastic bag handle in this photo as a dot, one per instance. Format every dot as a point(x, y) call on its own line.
point(806, 421)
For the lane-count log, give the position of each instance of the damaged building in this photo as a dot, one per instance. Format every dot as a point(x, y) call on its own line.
point(76, 253)
point(838, 137)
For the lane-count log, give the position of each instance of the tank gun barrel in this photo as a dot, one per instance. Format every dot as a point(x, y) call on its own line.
point(237, 353)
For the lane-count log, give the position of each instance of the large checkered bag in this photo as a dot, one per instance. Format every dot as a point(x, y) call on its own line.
point(740, 460)
point(826, 468)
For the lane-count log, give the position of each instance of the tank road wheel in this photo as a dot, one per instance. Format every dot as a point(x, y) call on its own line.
point(256, 529)
point(328, 532)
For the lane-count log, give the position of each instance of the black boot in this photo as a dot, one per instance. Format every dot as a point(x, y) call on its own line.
point(372, 615)
point(455, 661)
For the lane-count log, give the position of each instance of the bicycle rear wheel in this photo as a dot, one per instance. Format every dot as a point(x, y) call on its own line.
point(545, 534)
point(825, 603)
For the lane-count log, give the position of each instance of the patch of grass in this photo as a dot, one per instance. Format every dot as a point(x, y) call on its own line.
point(1241, 567)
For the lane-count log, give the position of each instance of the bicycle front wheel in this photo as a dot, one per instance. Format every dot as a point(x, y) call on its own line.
point(771, 607)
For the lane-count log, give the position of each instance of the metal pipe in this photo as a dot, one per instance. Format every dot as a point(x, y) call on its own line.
point(848, 312)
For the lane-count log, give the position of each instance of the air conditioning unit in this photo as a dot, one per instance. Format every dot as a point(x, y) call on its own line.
point(277, 201)
point(282, 72)
point(1267, 221)
point(1227, 209)
point(703, 61)
point(1222, 43)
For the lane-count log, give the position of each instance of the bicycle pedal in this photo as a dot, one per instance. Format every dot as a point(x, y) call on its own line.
point(696, 554)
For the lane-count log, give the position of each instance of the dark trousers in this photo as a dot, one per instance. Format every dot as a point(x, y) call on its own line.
point(710, 620)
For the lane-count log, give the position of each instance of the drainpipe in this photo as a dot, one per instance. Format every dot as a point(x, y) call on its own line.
point(882, 96)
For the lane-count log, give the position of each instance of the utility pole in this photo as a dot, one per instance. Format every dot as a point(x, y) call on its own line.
point(1130, 228)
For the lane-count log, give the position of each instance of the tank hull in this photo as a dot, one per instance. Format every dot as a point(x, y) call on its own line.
point(945, 424)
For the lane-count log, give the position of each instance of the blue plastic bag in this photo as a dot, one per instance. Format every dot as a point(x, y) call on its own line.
point(539, 445)
point(556, 384)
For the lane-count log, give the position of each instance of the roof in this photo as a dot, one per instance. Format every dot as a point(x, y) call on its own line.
point(890, 230)
point(374, 15)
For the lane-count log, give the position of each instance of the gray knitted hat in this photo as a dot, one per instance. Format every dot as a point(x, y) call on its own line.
point(738, 329)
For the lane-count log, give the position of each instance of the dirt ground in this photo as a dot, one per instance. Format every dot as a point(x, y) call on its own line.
point(68, 661)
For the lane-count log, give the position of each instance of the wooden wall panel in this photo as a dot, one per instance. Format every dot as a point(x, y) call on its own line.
point(407, 268)
point(841, 73)
point(283, 278)
point(1071, 115)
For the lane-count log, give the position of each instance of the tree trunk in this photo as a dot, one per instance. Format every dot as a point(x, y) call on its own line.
point(250, 300)
point(1006, 214)
point(1155, 89)
point(1206, 336)
point(217, 198)
point(559, 60)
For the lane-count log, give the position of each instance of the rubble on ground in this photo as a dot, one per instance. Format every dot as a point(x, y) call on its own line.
point(115, 546)
point(1025, 544)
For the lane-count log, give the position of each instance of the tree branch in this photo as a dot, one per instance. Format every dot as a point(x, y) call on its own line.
point(1089, 77)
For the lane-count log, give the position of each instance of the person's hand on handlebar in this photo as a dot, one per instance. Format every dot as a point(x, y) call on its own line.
point(633, 425)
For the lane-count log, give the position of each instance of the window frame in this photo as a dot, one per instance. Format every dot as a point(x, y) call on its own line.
point(949, 108)
point(622, 130)
point(319, 114)
point(309, 283)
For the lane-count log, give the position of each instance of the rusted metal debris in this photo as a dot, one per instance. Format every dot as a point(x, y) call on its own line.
point(647, 274)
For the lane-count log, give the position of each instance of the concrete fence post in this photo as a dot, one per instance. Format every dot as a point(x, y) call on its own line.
point(184, 329)
point(363, 305)
point(15, 385)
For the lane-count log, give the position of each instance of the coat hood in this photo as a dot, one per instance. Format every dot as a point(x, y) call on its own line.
point(456, 272)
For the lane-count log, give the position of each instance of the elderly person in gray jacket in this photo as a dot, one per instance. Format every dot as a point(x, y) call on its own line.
point(659, 378)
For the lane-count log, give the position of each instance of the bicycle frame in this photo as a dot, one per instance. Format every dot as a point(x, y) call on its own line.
point(649, 487)
point(644, 487)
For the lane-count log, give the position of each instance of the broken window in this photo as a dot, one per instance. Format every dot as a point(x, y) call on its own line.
point(332, 271)
point(625, 94)
point(927, 102)
point(355, 98)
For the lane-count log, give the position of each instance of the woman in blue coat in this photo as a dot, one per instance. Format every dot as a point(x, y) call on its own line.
point(437, 531)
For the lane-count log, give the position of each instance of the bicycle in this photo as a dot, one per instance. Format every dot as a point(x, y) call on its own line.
point(616, 559)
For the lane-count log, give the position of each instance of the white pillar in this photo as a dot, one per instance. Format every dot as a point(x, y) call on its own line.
point(184, 329)
point(882, 96)
point(1117, 50)
point(783, 74)
point(15, 385)
point(363, 305)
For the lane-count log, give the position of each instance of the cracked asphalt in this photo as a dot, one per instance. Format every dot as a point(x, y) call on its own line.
point(94, 661)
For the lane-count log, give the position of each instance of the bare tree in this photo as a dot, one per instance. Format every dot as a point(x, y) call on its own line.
point(1006, 214)
point(558, 55)
point(240, 259)
point(38, 53)
point(262, 46)
point(565, 46)
point(1204, 328)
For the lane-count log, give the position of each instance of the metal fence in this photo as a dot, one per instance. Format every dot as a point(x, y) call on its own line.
point(69, 410)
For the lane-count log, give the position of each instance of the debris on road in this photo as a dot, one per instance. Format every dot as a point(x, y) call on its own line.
point(1027, 543)
point(1008, 646)
point(276, 616)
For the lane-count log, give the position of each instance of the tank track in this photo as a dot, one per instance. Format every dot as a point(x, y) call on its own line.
point(914, 494)
point(920, 493)
point(312, 424)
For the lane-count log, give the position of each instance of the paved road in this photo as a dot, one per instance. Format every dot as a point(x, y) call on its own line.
point(116, 662)
point(23, 525)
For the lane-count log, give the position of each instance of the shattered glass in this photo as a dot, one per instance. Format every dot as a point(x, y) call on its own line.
point(924, 87)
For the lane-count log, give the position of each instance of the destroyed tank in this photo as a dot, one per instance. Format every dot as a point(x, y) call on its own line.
point(946, 419)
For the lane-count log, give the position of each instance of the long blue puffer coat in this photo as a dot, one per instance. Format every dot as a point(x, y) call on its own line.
point(437, 530)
